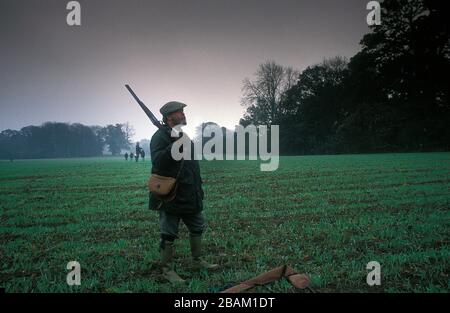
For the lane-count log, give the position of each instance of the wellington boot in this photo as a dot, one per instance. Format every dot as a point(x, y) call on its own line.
point(172, 276)
point(167, 265)
point(196, 249)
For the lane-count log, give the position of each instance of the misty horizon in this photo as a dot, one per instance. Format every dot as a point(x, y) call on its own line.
point(197, 52)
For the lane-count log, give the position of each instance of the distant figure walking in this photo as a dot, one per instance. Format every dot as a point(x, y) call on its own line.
point(126, 156)
point(138, 151)
point(142, 155)
point(131, 155)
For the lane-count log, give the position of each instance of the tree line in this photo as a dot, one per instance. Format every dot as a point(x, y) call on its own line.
point(63, 140)
point(392, 96)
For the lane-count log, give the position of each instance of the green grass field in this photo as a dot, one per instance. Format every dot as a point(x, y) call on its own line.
point(327, 216)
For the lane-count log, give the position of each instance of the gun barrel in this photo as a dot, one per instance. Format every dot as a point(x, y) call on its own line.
point(149, 113)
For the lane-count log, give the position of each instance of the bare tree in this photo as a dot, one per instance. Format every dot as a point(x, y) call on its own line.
point(128, 131)
point(263, 96)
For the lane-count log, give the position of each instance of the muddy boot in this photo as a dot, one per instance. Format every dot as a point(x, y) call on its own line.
point(167, 264)
point(196, 249)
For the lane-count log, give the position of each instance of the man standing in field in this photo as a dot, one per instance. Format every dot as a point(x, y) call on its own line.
point(188, 202)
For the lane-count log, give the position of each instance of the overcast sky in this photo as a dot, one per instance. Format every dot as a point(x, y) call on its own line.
point(193, 51)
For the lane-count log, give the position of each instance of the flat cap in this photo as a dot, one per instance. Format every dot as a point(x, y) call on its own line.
point(170, 107)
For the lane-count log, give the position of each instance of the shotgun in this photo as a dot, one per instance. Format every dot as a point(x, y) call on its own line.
point(149, 113)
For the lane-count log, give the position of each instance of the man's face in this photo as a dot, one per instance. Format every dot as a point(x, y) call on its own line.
point(177, 118)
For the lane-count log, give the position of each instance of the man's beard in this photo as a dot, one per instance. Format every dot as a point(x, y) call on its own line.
point(181, 121)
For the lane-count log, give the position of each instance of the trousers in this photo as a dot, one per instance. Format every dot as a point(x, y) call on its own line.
point(169, 224)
